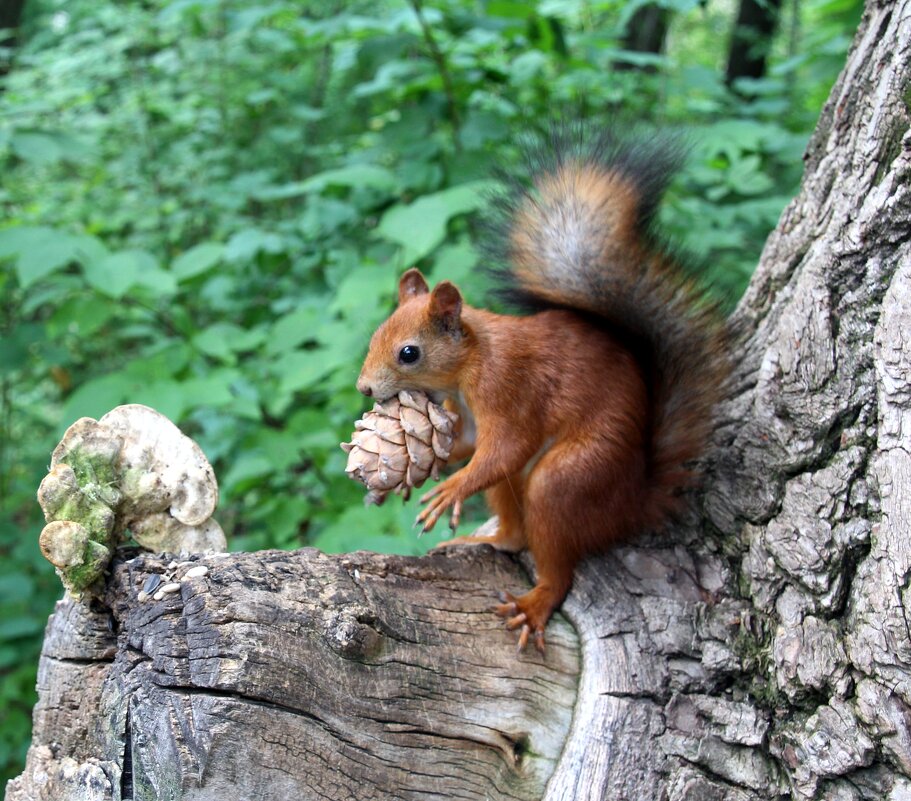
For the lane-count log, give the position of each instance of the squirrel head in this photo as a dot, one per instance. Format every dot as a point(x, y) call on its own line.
point(422, 344)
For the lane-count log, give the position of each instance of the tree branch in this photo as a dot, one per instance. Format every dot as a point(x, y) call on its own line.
point(443, 69)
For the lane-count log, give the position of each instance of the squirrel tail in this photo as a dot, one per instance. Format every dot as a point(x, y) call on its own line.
point(582, 238)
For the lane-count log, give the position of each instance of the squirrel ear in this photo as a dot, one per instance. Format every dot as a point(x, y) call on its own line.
point(412, 284)
point(446, 306)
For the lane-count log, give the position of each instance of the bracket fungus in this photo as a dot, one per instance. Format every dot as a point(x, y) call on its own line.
point(133, 471)
point(399, 444)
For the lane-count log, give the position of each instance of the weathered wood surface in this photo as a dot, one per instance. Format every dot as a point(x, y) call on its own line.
point(760, 651)
point(296, 675)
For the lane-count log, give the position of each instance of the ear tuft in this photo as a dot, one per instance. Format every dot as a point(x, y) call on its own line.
point(446, 306)
point(412, 284)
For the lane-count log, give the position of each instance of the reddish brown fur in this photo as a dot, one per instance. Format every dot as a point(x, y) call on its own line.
point(547, 391)
point(575, 445)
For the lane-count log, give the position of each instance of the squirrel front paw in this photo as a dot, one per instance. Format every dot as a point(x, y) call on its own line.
point(438, 500)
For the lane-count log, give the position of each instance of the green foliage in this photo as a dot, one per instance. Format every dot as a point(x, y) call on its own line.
point(206, 204)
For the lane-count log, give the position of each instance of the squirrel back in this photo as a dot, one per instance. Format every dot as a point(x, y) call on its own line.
point(582, 238)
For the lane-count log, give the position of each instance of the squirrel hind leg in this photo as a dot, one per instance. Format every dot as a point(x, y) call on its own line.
point(578, 500)
point(528, 614)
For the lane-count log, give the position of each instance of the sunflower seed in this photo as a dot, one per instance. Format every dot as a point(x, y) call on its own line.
point(196, 572)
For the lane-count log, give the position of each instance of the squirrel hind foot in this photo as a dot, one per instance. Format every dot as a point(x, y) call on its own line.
point(528, 614)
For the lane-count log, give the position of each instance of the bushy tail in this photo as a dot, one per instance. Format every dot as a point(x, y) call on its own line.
point(581, 237)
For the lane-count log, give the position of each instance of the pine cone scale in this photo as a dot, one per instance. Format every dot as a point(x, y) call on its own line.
point(399, 444)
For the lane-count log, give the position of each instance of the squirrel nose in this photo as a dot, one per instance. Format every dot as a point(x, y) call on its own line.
point(364, 387)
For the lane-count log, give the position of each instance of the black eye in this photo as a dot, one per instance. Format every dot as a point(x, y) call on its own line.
point(409, 354)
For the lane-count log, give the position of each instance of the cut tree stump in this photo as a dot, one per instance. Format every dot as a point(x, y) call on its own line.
point(299, 675)
point(760, 650)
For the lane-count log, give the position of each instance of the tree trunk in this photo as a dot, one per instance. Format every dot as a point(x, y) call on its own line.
point(647, 29)
point(751, 38)
point(10, 17)
point(760, 651)
point(646, 32)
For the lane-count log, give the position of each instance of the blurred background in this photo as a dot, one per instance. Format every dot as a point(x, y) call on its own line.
point(205, 205)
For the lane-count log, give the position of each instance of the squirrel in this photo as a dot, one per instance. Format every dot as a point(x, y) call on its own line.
point(589, 409)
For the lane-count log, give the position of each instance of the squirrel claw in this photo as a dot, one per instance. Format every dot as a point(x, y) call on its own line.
point(456, 515)
point(518, 620)
point(524, 634)
point(428, 495)
point(438, 500)
point(516, 616)
point(523, 639)
point(506, 609)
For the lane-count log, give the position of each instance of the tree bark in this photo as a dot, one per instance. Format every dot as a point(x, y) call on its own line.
point(761, 650)
point(751, 39)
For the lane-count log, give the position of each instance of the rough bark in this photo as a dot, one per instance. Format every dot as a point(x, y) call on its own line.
point(759, 651)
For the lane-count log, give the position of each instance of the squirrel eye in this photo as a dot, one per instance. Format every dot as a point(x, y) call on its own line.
point(409, 354)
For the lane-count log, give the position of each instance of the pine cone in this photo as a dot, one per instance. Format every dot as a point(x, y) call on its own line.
point(398, 444)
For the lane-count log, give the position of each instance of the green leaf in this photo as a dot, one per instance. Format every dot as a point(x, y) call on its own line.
point(14, 353)
point(457, 263)
point(18, 237)
point(171, 398)
point(245, 244)
point(48, 147)
point(115, 273)
point(16, 587)
point(353, 175)
point(223, 340)
point(213, 389)
point(81, 315)
point(385, 529)
point(511, 10)
point(97, 397)
point(37, 147)
point(482, 127)
point(212, 342)
point(43, 259)
point(16, 346)
point(746, 177)
point(362, 291)
point(158, 282)
point(197, 260)
point(421, 226)
point(165, 360)
point(302, 369)
point(17, 627)
point(246, 468)
point(345, 341)
point(39, 251)
point(293, 329)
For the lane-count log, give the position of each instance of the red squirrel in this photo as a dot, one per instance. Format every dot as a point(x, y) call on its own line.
point(589, 411)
